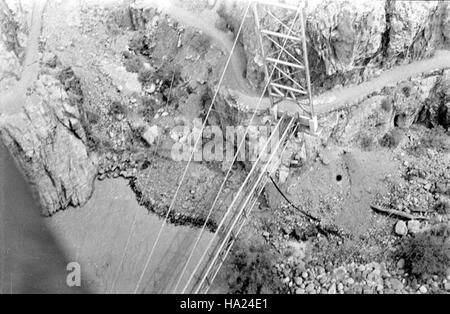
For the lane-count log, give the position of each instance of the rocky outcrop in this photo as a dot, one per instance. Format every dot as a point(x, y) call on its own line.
point(416, 28)
point(47, 140)
point(436, 111)
point(446, 25)
point(346, 33)
point(423, 100)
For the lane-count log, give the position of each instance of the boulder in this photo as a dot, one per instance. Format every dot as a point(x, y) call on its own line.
point(400, 228)
point(396, 284)
point(332, 289)
point(447, 286)
point(413, 226)
point(150, 134)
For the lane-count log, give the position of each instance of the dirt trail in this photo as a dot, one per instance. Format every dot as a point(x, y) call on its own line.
point(332, 100)
point(15, 98)
point(337, 99)
point(326, 102)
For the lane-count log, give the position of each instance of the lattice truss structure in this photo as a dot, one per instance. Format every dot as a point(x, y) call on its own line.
point(284, 49)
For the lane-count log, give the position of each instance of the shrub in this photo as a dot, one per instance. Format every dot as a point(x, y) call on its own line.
point(386, 105)
point(93, 142)
point(146, 76)
point(436, 139)
point(391, 139)
point(132, 62)
point(149, 106)
point(427, 253)
point(442, 206)
point(366, 142)
point(117, 108)
point(92, 117)
point(200, 43)
point(140, 43)
point(251, 270)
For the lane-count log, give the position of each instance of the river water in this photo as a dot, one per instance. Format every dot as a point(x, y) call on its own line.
point(31, 258)
point(110, 238)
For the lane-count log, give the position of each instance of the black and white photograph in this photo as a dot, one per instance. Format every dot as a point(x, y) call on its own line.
point(220, 152)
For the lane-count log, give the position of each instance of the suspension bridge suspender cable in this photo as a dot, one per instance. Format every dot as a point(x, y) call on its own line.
point(122, 259)
point(141, 277)
point(229, 170)
point(212, 208)
point(229, 208)
point(263, 172)
point(265, 180)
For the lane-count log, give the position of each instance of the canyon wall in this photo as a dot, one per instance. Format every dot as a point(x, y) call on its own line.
point(350, 41)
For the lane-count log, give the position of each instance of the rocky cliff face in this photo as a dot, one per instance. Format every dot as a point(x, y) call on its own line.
point(47, 140)
point(350, 41)
point(46, 134)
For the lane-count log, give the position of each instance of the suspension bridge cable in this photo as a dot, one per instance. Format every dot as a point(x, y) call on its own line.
point(263, 172)
point(229, 170)
point(192, 154)
point(122, 259)
point(265, 180)
point(230, 207)
point(212, 208)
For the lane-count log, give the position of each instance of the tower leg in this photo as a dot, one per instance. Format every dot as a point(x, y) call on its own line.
point(313, 125)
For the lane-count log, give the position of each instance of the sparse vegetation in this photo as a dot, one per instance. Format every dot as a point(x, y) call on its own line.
point(442, 206)
point(132, 62)
point(386, 105)
point(391, 139)
point(92, 117)
point(200, 43)
point(251, 270)
point(427, 253)
point(146, 76)
point(437, 140)
point(117, 108)
point(140, 43)
point(366, 142)
point(149, 106)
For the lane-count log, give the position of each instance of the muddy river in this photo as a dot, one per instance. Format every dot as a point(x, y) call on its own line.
point(109, 238)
